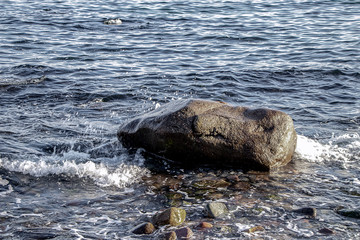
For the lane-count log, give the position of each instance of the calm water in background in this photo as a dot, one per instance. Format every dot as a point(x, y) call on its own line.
point(67, 81)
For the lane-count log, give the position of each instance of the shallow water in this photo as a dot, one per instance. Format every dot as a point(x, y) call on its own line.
point(67, 81)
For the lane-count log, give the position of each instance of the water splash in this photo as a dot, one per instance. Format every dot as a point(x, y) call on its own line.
point(339, 149)
point(77, 164)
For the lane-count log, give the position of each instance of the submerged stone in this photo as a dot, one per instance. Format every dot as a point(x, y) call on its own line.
point(241, 186)
point(213, 133)
point(255, 229)
point(326, 231)
point(210, 184)
point(352, 213)
point(308, 211)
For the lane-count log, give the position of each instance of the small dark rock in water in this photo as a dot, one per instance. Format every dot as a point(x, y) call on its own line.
point(172, 216)
point(326, 231)
point(144, 228)
point(170, 236)
point(182, 233)
point(216, 209)
point(310, 212)
point(352, 213)
point(212, 133)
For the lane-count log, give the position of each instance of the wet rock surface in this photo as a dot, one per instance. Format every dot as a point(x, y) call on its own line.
point(171, 216)
point(144, 228)
point(182, 233)
point(216, 209)
point(213, 133)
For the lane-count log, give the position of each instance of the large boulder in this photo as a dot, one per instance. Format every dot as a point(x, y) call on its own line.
point(214, 133)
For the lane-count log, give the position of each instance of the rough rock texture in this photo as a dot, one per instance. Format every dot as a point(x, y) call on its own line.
point(182, 233)
point(214, 133)
point(172, 216)
point(216, 209)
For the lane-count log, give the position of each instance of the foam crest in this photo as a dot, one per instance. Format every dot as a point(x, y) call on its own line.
point(120, 175)
point(341, 149)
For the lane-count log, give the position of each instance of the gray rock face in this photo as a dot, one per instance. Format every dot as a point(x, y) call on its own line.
point(214, 133)
point(216, 209)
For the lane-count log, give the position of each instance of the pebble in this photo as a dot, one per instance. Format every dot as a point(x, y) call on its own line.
point(308, 211)
point(144, 228)
point(170, 236)
point(255, 229)
point(172, 216)
point(204, 225)
point(182, 233)
point(216, 209)
point(326, 231)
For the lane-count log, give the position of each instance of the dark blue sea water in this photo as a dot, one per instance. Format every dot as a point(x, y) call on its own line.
point(68, 80)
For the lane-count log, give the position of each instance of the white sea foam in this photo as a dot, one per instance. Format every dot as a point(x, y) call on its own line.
point(341, 149)
point(77, 164)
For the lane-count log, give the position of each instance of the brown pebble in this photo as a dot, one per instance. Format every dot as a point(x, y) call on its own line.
point(255, 229)
point(205, 225)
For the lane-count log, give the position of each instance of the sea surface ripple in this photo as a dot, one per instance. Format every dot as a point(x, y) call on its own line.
point(68, 80)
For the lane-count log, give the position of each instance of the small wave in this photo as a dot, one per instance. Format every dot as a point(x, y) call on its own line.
point(121, 175)
point(114, 21)
point(4, 82)
point(342, 149)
